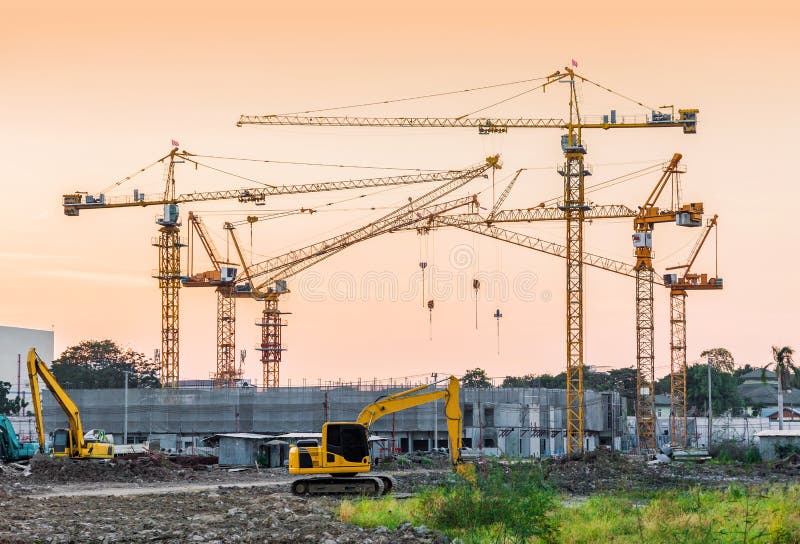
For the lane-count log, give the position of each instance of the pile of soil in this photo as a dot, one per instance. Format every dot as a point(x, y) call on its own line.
point(605, 471)
point(141, 469)
point(221, 515)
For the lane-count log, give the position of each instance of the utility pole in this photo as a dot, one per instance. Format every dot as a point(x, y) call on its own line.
point(125, 421)
point(710, 410)
point(19, 382)
point(435, 376)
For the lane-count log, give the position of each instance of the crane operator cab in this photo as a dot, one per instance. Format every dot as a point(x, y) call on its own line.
point(344, 451)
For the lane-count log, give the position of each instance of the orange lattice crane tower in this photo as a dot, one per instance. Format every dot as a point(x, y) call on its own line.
point(689, 215)
point(678, 286)
point(223, 278)
point(573, 205)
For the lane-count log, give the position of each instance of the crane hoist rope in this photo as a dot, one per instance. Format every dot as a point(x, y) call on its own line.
point(321, 164)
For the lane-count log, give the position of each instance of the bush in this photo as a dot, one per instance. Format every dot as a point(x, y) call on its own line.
point(511, 502)
point(729, 451)
point(752, 455)
point(783, 451)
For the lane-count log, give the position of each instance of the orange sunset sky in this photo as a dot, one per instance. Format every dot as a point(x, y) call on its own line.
point(92, 91)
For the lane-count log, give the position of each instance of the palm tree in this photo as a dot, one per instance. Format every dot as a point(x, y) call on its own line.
point(784, 367)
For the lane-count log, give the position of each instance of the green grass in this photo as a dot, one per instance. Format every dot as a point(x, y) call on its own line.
point(387, 512)
point(505, 515)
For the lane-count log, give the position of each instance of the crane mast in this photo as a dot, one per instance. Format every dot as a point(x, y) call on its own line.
point(649, 215)
point(223, 278)
point(574, 204)
point(678, 287)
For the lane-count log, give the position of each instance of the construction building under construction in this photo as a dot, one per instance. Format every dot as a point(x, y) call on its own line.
point(512, 421)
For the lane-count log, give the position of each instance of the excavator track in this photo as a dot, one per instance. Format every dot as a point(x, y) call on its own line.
point(389, 483)
point(364, 485)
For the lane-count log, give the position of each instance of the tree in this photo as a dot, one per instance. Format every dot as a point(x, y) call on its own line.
point(8, 406)
point(664, 385)
point(528, 380)
point(545, 381)
point(101, 364)
point(724, 393)
point(742, 370)
point(722, 359)
point(476, 378)
point(784, 369)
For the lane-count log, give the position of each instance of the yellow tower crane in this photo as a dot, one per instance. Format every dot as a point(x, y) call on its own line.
point(688, 215)
point(678, 286)
point(169, 242)
point(278, 269)
point(573, 205)
point(223, 278)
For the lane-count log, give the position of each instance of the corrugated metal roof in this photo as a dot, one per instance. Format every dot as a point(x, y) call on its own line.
point(785, 432)
point(246, 435)
point(300, 435)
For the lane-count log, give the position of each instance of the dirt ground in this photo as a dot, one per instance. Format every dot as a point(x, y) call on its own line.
point(153, 500)
point(602, 471)
point(156, 500)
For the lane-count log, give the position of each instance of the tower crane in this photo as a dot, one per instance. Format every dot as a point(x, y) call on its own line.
point(573, 204)
point(223, 278)
point(169, 242)
point(278, 269)
point(688, 215)
point(678, 287)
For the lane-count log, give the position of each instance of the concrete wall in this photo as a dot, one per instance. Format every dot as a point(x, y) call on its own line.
point(14, 345)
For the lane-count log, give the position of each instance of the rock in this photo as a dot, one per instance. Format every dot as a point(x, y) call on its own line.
point(421, 530)
point(380, 529)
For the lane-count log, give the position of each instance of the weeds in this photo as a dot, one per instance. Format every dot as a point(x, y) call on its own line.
point(510, 505)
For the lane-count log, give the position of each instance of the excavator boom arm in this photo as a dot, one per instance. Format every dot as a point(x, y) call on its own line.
point(38, 369)
point(415, 397)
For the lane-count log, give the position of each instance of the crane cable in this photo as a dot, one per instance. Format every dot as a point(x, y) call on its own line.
point(128, 178)
point(617, 93)
point(420, 97)
point(332, 165)
point(630, 176)
point(197, 163)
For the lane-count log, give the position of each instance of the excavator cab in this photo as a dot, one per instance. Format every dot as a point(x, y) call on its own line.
point(95, 449)
point(345, 444)
point(344, 451)
point(61, 443)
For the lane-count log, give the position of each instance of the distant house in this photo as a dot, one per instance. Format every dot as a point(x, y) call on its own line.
point(789, 414)
point(663, 405)
point(759, 391)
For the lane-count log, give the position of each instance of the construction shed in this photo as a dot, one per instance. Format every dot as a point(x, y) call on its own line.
point(771, 442)
point(240, 449)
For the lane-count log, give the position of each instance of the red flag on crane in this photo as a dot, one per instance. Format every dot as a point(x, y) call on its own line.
point(575, 63)
point(176, 144)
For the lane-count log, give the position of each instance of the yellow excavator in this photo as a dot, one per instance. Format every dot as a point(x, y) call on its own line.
point(69, 442)
point(344, 451)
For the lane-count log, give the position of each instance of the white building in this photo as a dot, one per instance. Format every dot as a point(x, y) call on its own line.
point(14, 345)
